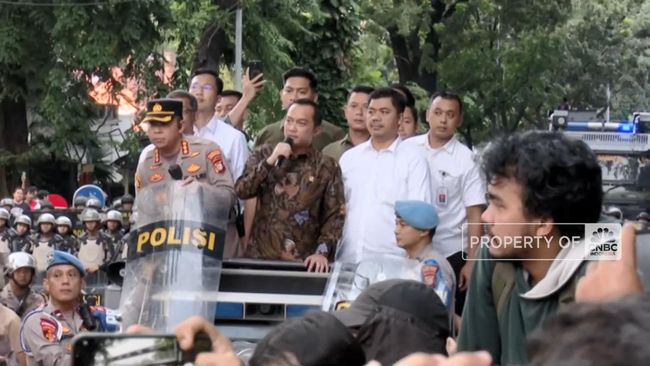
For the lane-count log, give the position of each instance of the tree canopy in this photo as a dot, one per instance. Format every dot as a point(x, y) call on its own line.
point(511, 61)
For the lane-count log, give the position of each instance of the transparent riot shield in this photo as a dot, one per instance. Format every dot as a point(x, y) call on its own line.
point(173, 263)
point(349, 280)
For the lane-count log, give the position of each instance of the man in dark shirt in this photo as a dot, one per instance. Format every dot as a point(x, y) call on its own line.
point(300, 213)
point(299, 83)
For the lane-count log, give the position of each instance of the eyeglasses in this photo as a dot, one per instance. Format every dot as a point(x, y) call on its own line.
point(205, 87)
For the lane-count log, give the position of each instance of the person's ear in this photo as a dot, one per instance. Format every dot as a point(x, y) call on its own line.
point(545, 227)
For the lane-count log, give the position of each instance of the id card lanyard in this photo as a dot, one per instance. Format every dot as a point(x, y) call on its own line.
point(442, 196)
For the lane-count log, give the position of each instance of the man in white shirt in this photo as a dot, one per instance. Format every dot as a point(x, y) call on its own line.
point(456, 185)
point(377, 173)
point(206, 87)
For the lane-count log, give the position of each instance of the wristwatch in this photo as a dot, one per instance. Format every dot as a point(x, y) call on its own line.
point(322, 249)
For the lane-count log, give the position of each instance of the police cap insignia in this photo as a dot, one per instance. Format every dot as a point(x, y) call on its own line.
point(50, 258)
point(163, 110)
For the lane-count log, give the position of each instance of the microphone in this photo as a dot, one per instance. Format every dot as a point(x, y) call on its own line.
point(289, 141)
point(176, 172)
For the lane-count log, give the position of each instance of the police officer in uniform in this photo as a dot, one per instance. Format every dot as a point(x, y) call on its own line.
point(18, 295)
point(6, 233)
point(126, 208)
point(70, 244)
point(95, 248)
point(22, 239)
point(198, 159)
point(79, 207)
point(10, 351)
point(44, 241)
point(46, 333)
point(114, 228)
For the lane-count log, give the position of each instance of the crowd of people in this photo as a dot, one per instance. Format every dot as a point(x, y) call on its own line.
point(313, 193)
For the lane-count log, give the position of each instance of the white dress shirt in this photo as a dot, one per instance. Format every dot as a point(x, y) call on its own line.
point(373, 181)
point(456, 184)
point(231, 141)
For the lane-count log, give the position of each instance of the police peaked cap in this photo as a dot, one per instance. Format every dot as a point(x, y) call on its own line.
point(163, 110)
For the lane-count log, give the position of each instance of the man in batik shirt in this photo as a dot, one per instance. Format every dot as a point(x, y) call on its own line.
point(300, 211)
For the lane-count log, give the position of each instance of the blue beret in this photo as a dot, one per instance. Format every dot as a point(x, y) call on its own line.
point(57, 258)
point(419, 214)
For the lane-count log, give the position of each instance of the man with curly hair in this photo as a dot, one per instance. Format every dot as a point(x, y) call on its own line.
point(538, 182)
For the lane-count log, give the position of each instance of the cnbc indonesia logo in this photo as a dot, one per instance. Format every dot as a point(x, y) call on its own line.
point(603, 241)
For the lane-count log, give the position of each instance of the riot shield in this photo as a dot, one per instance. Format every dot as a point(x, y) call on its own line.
point(349, 280)
point(173, 261)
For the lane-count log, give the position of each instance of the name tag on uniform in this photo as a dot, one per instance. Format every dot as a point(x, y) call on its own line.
point(442, 197)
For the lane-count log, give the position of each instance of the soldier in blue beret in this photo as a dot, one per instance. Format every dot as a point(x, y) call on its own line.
point(415, 226)
point(46, 333)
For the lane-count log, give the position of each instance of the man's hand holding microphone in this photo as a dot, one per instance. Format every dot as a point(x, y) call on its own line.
point(282, 151)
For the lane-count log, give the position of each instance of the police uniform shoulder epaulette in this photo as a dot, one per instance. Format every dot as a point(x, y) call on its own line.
point(28, 316)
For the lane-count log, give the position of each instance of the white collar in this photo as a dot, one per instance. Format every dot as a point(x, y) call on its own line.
point(449, 146)
point(367, 145)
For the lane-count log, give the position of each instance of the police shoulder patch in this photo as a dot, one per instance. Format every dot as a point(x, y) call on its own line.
point(51, 328)
point(216, 158)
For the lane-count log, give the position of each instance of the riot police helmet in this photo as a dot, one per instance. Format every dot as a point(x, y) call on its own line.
point(4, 214)
point(89, 215)
point(23, 219)
point(63, 221)
point(19, 260)
point(46, 218)
point(94, 203)
point(126, 199)
point(7, 202)
point(80, 201)
point(114, 215)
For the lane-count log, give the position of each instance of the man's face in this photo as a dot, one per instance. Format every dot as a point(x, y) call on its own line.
point(296, 88)
point(127, 206)
point(23, 276)
point(19, 195)
point(62, 230)
point(225, 105)
point(112, 225)
point(407, 126)
point(505, 206)
point(91, 226)
point(444, 118)
point(3, 223)
point(406, 235)
point(164, 135)
point(63, 283)
point(204, 88)
point(22, 229)
point(383, 119)
point(355, 111)
point(30, 195)
point(189, 116)
point(46, 228)
point(299, 125)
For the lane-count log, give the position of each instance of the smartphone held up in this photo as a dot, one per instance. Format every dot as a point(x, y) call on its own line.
point(104, 349)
